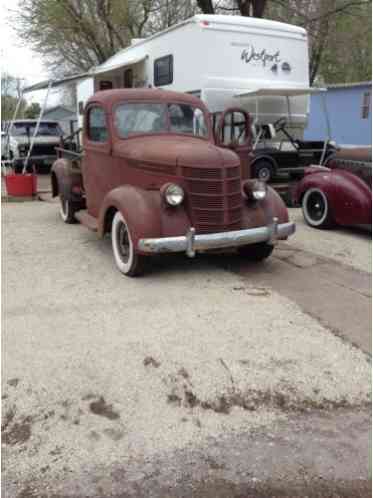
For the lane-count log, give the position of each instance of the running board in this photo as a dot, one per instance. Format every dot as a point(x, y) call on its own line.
point(87, 220)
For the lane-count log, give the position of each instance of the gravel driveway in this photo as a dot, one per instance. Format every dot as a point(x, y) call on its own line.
point(99, 369)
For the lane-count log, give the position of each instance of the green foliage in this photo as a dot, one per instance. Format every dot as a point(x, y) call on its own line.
point(8, 107)
point(32, 111)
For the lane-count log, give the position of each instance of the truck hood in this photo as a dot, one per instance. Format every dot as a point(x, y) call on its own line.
point(174, 151)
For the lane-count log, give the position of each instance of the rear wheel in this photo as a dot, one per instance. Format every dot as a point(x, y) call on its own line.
point(316, 209)
point(126, 258)
point(256, 252)
point(263, 170)
point(67, 210)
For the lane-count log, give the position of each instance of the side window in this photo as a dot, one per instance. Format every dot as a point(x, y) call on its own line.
point(163, 70)
point(366, 105)
point(97, 130)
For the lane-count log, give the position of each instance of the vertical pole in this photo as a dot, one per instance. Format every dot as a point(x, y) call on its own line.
point(10, 126)
point(36, 128)
point(328, 129)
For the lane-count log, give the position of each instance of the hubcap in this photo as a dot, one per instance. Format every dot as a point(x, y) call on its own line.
point(123, 242)
point(264, 174)
point(316, 206)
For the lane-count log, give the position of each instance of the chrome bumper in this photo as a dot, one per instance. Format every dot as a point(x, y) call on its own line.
point(191, 243)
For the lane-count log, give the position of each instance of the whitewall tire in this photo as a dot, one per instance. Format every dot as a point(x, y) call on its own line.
point(126, 258)
point(316, 209)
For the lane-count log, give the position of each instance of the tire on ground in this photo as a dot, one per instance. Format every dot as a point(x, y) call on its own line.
point(67, 210)
point(127, 260)
point(256, 252)
point(316, 209)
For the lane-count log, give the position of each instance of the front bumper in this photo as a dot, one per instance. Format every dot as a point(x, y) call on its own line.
point(192, 243)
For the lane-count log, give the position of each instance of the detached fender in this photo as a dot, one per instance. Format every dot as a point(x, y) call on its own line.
point(66, 180)
point(352, 201)
point(140, 208)
point(320, 178)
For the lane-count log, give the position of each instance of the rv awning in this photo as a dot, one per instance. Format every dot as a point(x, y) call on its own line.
point(43, 85)
point(280, 92)
point(107, 69)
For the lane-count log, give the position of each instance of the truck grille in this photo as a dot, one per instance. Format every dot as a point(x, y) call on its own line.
point(215, 199)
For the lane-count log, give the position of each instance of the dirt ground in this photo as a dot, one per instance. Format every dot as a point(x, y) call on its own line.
point(206, 377)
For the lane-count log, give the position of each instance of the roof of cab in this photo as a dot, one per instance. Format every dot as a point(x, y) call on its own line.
point(110, 97)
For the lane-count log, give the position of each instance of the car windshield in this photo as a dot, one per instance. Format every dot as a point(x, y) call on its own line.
point(28, 129)
point(140, 118)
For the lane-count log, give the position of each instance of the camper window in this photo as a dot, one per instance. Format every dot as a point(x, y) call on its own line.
point(163, 70)
point(97, 130)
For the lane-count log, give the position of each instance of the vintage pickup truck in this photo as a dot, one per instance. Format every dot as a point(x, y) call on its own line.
point(153, 174)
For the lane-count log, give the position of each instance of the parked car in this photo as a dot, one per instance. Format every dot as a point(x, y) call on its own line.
point(340, 193)
point(290, 156)
point(155, 176)
point(43, 153)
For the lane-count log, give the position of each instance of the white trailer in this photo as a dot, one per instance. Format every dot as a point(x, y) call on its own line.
point(221, 59)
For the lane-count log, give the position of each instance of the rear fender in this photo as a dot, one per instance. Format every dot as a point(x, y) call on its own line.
point(66, 180)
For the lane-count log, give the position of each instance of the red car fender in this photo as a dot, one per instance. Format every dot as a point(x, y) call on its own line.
point(315, 178)
point(352, 201)
point(140, 208)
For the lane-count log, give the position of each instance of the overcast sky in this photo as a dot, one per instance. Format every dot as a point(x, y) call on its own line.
point(19, 60)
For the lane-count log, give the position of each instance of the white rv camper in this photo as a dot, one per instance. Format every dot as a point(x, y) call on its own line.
point(228, 61)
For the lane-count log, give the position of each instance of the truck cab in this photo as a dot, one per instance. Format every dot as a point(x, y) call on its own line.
point(153, 174)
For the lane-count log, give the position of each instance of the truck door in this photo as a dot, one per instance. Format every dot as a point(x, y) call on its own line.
point(97, 165)
point(234, 132)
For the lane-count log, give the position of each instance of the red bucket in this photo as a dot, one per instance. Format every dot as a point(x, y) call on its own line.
point(21, 185)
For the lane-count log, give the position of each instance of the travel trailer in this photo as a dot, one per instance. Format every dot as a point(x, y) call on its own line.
point(225, 60)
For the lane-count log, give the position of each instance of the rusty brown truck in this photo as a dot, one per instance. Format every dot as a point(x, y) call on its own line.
point(155, 175)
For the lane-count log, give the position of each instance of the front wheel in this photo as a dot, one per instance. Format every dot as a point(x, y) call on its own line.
point(256, 252)
point(316, 209)
point(67, 210)
point(127, 260)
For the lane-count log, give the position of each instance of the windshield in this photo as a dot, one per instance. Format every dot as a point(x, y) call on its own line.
point(140, 118)
point(45, 129)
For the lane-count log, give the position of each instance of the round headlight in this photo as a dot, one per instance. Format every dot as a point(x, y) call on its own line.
point(174, 194)
point(255, 189)
point(259, 190)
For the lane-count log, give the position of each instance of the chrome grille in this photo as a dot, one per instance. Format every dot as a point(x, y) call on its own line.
point(215, 199)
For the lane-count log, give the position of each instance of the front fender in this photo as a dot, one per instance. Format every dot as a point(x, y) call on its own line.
point(257, 214)
point(140, 208)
